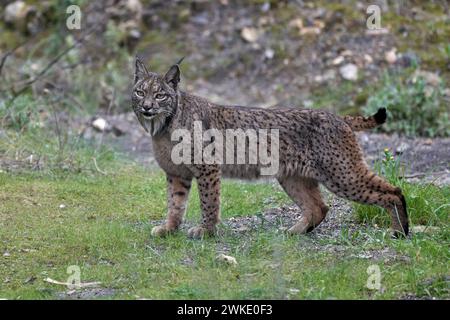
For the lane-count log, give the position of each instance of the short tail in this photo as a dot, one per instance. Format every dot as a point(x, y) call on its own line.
point(360, 123)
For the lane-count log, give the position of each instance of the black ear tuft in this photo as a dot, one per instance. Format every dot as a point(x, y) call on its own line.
point(380, 116)
point(180, 61)
point(140, 71)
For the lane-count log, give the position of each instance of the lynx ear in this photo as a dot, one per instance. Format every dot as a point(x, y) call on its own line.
point(141, 71)
point(172, 77)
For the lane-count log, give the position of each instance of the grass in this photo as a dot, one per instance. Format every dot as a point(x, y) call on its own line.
point(104, 226)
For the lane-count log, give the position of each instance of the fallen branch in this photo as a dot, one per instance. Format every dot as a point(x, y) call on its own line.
point(74, 285)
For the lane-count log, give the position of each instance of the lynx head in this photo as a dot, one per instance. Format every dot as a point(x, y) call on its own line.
point(155, 98)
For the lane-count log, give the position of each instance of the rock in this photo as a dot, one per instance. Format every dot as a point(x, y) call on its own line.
point(265, 7)
point(62, 206)
point(308, 104)
point(391, 56)
point(402, 148)
point(368, 58)
point(134, 34)
point(227, 259)
point(14, 12)
point(349, 72)
point(310, 30)
point(296, 23)
point(250, 34)
point(326, 76)
point(134, 6)
point(347, 53)
point(17, 14)
point(100, 124)
point(6, 254)
point(269, 53)
point(337, 61)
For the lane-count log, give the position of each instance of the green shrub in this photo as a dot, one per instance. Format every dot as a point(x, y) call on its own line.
point(19, 114)
point(414, 108)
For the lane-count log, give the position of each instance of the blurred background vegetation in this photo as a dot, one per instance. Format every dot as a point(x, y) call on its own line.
point(314, 54)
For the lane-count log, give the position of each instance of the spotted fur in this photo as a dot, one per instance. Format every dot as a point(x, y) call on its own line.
point(316, 147)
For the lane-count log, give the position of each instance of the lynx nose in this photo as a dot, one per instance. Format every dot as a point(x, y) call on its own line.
point(147, 107)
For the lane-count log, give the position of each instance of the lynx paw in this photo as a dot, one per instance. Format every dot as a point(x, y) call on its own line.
point(159, 231)
point(199, 232)
point(300, 227)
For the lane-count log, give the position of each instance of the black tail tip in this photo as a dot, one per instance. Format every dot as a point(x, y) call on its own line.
point(380, 116)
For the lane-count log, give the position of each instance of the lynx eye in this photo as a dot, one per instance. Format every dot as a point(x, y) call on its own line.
point(160, 96)
point(140, 93)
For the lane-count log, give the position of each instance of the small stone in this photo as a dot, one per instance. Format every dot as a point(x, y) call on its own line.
point(250, 34)
point(308, 103)
point(6, 254)
point(134, 6)
point(269, 53)
point(265, 7)
point(391, 56)
point(349, 72)
point(15, 12)
point(99, 124)
point(62, 206)
point(310, 30)
point(296, 23)
point(368, 58)
point(338, 60)
point(428, 142)
point(402, 148)
point(227, 259)
point(134, 34)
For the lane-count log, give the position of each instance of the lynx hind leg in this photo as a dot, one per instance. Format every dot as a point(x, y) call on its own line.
point(177, 195)
point(359, 184)
point(305, 193)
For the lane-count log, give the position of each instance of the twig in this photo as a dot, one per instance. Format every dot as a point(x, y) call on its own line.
point(97, 168)
point(49, 65)
point(76, 285)
point(111, 103)
point(7, 54)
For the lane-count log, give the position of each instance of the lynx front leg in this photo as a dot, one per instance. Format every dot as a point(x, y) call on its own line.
point(209, 191)
point(177, 195)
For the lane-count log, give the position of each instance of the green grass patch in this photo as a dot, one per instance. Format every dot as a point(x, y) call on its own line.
point(101, 223)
